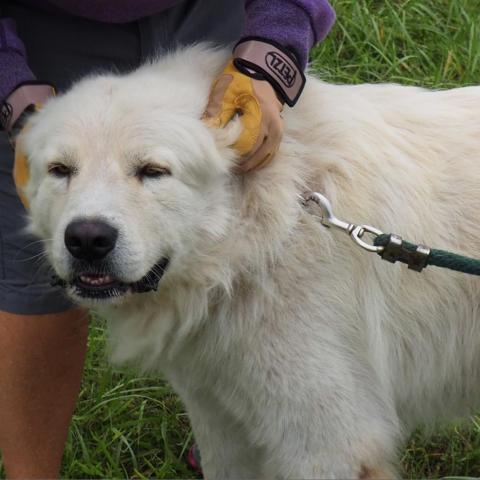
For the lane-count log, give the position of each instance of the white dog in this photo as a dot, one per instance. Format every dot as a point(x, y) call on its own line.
point(297, 354)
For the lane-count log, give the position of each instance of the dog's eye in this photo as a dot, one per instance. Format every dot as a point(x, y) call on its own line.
point(152, 171)
point(60, 170)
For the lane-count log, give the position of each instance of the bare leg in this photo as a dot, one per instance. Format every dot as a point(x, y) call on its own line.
point(41, 364)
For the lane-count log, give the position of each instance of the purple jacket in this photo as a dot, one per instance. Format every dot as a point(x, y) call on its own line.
point(297, 24)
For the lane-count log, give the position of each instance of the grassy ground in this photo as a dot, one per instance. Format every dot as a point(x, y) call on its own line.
point(126, 426)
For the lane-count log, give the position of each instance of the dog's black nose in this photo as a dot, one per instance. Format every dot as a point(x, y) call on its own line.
point(90, 239)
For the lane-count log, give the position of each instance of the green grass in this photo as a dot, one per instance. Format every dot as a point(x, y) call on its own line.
point(125, 426)
point(432, 43)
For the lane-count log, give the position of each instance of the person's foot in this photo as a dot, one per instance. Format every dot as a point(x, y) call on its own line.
point(194, 460)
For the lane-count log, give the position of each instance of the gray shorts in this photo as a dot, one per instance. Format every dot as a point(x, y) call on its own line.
point(61, 49)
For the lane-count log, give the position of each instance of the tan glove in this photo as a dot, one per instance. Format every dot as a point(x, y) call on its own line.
point(21, 173)
point(19, 105)
point(256, 101)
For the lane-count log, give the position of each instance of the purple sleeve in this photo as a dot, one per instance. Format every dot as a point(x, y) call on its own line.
point(295, 24)
point(13, 64)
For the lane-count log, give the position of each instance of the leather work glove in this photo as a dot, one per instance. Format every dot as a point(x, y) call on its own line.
point(16, 110)
point(261, 76)
point(21, 173)
point(260, 114)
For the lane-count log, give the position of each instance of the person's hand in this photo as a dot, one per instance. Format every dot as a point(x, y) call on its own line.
point(16, 110)
point(21, 173)
point(260, 114)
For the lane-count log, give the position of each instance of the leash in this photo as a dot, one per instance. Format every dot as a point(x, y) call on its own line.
point(392, 247)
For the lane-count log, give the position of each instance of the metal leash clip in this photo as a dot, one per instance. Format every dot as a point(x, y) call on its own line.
point(391, 247)
point(328, 219)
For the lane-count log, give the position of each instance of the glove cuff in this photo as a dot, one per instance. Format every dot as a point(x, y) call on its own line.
point(266, 59)
point(24, 96)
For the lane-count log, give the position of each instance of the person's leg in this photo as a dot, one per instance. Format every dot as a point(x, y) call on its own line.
point(41, 363)
point(42, 346)
point(42, 338)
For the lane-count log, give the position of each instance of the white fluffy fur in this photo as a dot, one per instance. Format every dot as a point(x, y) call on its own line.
point(297, 354)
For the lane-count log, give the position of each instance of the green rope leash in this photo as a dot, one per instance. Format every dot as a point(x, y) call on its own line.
point(389, 246)
point(438, 258)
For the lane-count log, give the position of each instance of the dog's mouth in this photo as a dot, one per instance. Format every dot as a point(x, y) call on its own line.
point(96, 285)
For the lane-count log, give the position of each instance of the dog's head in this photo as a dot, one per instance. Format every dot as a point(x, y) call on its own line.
point(126, 180)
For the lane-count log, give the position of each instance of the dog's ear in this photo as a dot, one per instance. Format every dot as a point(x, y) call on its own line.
point(225, 138)
point(228, 135)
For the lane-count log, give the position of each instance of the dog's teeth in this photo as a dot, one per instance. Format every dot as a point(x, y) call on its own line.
point(97, 280)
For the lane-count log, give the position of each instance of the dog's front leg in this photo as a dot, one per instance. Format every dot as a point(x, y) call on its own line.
point(332, 441)
point(289, 460)
point(225, 450)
